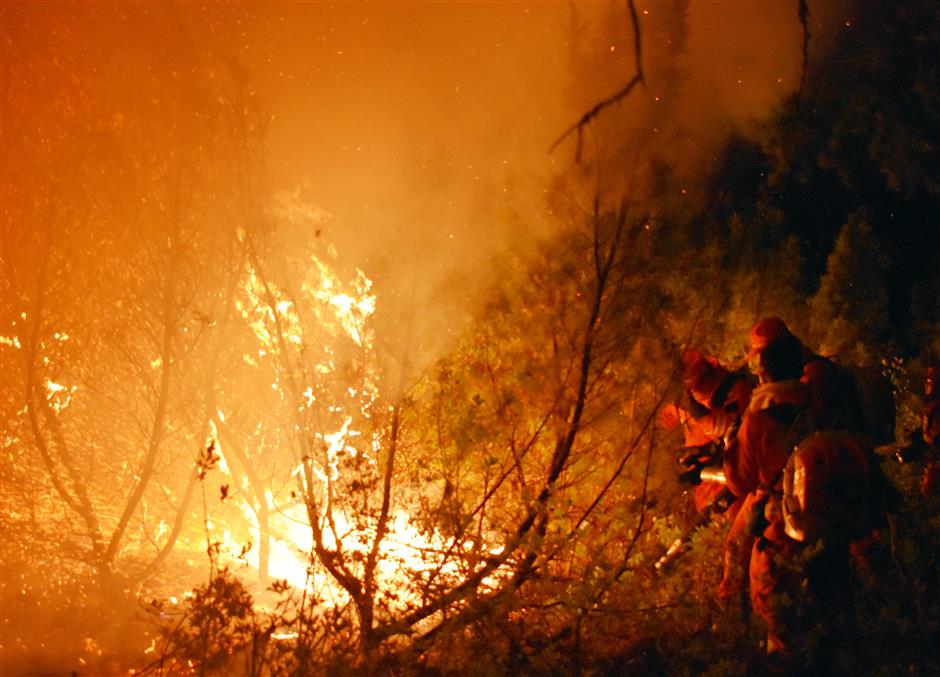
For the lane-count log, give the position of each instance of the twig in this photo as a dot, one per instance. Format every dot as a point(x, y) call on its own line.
point(614, 98)
point(803, 12)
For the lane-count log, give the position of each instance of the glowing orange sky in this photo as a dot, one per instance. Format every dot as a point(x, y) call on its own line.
point(403, 119)
point(396, 113)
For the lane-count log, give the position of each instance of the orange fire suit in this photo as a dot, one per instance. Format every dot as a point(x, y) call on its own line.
point(753, 468)
point(930, 429)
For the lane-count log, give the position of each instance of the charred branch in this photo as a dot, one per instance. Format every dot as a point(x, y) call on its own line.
point(803, 13)
point(169, 316)
point(637, 79)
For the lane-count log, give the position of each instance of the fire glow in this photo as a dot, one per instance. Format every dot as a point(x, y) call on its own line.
point(282, 326)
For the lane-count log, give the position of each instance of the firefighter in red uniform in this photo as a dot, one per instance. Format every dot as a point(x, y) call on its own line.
point(724, 395)
point(753, 467)
point(718, 398)
point(930, 430)
point(791, 581)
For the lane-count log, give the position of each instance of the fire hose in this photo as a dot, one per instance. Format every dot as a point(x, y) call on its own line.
point(719, 504)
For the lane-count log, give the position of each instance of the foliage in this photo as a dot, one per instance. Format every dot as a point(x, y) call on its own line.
point(109, 323)
point(850, 310)
point(217, 624)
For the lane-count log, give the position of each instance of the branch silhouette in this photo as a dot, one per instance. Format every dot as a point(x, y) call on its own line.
point(622, 93)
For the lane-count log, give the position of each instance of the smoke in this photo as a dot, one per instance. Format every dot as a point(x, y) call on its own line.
point(419, 127)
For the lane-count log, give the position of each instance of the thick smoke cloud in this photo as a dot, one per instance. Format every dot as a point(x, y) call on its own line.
point(420, 126)
point(416, 126)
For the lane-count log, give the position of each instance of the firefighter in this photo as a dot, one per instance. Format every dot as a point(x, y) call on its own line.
point(724, 395)
point(756, 457)
point(793, 583)
point(930, 430)
point(716, 400)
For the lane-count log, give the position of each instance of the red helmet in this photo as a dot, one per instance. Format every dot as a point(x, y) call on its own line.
point(701, 375)
point(766, 332)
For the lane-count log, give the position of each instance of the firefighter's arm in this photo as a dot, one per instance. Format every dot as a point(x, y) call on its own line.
point(930, 425)
point(740, 462)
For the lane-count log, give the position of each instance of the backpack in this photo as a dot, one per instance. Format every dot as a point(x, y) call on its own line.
point(827, 488)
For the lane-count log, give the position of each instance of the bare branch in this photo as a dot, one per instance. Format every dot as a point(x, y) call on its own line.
point(80, 502)
point(803, 12)
point(169, 322)
point(382, 526)
point(623, 93)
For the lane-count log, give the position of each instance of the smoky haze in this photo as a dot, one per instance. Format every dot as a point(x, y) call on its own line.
point(419, 127)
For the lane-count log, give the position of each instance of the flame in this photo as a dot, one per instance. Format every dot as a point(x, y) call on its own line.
point(403, 553)
point(59, 396)
point(267, 312)
point(333, 311)
point(351, 308)
point(53, 387)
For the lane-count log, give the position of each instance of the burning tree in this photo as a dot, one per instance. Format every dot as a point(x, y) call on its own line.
point(116, 255)
point(502, 490)
point(510, 467)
